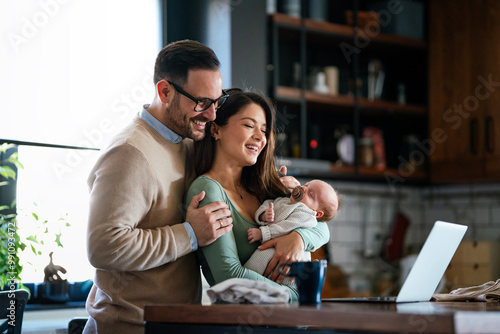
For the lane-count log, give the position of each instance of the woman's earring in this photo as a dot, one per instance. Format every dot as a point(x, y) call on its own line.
point(216, 138)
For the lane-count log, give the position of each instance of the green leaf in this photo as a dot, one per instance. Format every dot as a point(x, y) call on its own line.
point(7, 172)
point(58, 240)
point(35, 215)
point(33, 238)
point(33, 249)
point(13, 160)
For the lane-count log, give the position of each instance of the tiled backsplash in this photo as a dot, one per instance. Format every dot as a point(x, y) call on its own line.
point(368, 212)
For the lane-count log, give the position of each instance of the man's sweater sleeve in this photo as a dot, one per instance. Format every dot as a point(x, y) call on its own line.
point(122, 192)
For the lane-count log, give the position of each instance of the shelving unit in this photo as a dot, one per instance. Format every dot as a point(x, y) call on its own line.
point(292, 94)
point(306, 116)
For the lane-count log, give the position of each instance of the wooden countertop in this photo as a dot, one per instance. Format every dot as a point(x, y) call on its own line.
point(423, 317)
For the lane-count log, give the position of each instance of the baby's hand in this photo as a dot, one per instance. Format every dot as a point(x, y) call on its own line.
point(254, 234)
point(268, 215)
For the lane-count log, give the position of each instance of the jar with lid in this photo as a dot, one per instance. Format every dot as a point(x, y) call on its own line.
point(366, 151)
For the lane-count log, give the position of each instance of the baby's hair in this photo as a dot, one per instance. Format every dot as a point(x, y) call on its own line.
point(330, 209)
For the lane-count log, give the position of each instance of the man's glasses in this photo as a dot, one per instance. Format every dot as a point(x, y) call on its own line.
point(203, 104)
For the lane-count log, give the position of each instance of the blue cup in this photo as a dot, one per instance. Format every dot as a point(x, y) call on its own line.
point(309, 278)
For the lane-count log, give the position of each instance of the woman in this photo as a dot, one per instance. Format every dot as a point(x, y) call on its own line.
point(235, 164)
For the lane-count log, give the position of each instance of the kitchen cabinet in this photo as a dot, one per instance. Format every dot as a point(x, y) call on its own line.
point(474, 263)
point(464, 95)
point(314, 118)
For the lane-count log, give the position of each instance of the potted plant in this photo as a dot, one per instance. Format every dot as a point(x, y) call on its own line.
point(11, 244)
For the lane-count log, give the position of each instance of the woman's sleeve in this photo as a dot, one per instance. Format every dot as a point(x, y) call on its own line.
point(221, 257)
point(314, 237)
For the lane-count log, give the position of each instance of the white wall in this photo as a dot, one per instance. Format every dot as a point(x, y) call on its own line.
point(368, 211)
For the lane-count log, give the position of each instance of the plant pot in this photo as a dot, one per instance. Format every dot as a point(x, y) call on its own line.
point(55, 292)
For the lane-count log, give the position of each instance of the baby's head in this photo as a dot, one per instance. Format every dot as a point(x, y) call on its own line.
point(318, 196)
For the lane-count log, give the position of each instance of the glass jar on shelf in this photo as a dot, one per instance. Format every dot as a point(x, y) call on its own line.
point(366, 151)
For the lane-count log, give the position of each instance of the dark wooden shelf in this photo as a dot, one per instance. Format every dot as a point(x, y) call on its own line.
point(420, 175)
point(292, 94)
point(392, 106)
point(344, 31)
point(323, 168)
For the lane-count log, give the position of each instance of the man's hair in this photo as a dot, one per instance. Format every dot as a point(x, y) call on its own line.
point(330, 208)
point(176, 59)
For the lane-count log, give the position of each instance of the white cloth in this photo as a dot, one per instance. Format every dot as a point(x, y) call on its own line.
point(243, 290)
point(487, 292)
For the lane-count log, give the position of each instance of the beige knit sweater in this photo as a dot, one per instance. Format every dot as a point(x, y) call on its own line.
point(136, 240)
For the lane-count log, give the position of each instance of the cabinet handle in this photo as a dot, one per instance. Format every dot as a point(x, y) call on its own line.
point(489, 132)
point(472, 136)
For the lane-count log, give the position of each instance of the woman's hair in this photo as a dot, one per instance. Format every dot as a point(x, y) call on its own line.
point(260, 179)
point(176, 59)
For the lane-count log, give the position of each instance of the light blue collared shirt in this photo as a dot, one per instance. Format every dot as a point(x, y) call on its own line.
point(173, 137)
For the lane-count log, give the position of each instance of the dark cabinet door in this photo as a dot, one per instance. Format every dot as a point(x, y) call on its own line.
point(492, 87)
point(464, 69)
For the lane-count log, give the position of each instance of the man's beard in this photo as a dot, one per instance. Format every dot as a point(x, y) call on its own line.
point(182, 125)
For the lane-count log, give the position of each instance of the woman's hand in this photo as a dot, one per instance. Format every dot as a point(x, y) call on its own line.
point(289, 248)
point(289, 181)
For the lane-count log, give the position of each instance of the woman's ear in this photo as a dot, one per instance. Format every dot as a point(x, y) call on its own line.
point(214, 130)
point(319, 214)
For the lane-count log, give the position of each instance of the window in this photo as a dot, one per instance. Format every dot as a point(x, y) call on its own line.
point(73, 73)
point(43, 196)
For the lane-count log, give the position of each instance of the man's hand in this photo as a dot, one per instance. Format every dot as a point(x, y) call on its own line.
point(268, 215)
point(289, 248)
point(254, 234)
point(209, 222)
point(289, 181)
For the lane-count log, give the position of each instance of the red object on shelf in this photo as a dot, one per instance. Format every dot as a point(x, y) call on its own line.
point(313, 143)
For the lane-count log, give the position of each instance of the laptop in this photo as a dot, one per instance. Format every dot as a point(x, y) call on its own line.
point(429, 267)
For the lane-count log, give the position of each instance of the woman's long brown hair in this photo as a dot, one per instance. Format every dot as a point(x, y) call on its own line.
point(260, 179)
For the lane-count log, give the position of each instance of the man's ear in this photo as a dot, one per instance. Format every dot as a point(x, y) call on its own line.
point(163, 89)
point(319, 214)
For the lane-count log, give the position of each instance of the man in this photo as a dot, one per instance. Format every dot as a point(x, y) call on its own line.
point(138, 241)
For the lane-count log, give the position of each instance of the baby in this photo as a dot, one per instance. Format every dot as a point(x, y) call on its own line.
point(312, 202)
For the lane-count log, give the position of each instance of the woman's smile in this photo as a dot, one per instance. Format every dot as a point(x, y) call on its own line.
point(253, 148)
